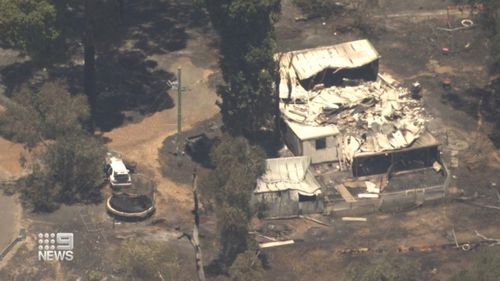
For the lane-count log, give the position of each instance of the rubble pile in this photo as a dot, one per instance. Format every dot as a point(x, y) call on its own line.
point(371, 116)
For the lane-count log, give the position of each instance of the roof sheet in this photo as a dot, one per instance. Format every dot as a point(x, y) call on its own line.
point(425, 139)
point(309, 62)
point(288, 173)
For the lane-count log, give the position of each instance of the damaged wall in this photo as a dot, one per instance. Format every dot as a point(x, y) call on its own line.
point(287, 203)
point(291, 140)
point(277, 204)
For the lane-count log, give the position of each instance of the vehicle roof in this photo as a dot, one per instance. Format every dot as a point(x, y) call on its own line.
point(118, 166)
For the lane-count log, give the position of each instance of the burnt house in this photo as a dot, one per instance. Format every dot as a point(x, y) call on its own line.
point(365, 133)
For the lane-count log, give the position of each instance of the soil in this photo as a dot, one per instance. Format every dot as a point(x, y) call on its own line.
point(10, 152)
point(139, 140)
point(410, 49)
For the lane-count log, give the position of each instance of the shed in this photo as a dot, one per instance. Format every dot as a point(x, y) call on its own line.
point(288, 187)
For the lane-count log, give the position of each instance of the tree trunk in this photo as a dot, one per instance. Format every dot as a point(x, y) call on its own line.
point(89, 83)
point(194, 238)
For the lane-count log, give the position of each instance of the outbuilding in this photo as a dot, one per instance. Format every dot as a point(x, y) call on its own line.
point(288, 188)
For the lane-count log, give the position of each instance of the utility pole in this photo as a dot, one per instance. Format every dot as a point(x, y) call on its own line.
point(179, 117)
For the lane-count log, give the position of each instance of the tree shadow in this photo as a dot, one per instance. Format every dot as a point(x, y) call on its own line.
point(158, 27)
point(15, 75)
point(473, 99)
point(129, 87)
point(128, 81)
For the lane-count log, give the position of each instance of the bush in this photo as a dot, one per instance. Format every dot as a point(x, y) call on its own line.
point(246, 267)
point(95, 276)
point(69, 170)
point(67, 162)
point(485, 269)
point(35, 116)
point(147, 261)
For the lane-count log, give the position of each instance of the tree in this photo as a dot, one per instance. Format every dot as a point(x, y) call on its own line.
point(29, 25)
point(492, 23)
point(67, 171)
point(74, 165)
point(194, 238)
point(229, 187)
point(100, 25)
point(388, 268)
point(44, 114)
point(249, 100)
point(68, 167)
point(43, 28)
point(246, 267)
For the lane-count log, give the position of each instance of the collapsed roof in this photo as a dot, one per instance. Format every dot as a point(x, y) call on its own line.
point(304, 64)
point(291, 173)
point(370, 116)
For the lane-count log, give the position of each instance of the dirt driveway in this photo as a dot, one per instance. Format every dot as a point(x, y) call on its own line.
point(141, 141)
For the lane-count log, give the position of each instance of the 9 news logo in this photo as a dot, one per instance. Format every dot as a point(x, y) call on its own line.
point(55, 246)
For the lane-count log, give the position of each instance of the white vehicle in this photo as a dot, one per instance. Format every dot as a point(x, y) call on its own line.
point(116, 170)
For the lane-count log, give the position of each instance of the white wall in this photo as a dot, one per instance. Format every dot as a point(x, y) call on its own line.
point(308, 147)
point(329, 154)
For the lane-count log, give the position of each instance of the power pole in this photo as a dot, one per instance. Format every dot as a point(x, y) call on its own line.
point(179, 117)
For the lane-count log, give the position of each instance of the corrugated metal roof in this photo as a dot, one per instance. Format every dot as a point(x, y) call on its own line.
point(425, 139)
point(288, 173)
point(309, 62)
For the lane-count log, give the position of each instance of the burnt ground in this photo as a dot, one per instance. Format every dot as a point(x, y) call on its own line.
point(180, 168)
point(96, 244)
point(410, 47)
point(140, 65)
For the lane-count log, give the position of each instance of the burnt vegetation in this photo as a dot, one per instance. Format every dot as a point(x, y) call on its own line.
point(88, 67)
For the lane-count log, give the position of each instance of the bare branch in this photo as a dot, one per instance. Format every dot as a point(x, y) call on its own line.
point(493, 240)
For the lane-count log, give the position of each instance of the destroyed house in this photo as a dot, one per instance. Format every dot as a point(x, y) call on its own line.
point(288, 187)
point(339, 111)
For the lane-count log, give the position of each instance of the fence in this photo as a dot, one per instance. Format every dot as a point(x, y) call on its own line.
point(389, 200)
